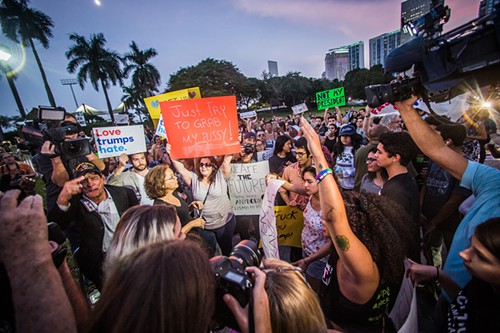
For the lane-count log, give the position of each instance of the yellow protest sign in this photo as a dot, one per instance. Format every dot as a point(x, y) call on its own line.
point(153, 102)
point(289, 223)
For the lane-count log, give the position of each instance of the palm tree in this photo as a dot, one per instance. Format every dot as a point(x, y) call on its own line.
point(7, 122)
point(133, 99)
point(145, 76)
point(11, 77)
point(95, 63)
point(21, 23)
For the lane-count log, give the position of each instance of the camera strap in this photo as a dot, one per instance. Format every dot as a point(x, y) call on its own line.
point(204, 200)
point(251, 322)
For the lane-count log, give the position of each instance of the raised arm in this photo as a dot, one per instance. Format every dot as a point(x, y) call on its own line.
point(357, 263)
point(181, 169)
point(429, 141)
point(226, 166)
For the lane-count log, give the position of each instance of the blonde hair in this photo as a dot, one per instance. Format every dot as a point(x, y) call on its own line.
point(140, 226)
point(293, 304)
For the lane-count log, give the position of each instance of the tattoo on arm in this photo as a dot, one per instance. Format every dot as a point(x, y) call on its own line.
point(342, 242)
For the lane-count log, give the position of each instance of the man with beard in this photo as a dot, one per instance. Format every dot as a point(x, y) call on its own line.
point(133, 178)
point(95, 209)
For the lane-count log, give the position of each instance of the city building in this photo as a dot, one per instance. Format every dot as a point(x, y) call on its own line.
point(340, 60)
point(486, 6)
point(273, 67)
point(382, 45)
point(412, 10)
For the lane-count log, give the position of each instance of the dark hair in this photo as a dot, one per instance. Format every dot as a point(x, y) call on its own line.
point(302, 143)
point(455, 132)
point(384, 230)
point(211, 178)
point(310, 169)
point(488, 234)
point(280, 143)
point(157, 289)
point(399, 143)
point(338, 148)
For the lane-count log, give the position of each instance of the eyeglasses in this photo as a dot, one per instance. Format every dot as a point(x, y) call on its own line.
point(206, 165)
point(370, 160)
point(300, 154)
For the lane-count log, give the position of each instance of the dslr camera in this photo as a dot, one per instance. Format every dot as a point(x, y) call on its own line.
point(248, 148)
point(231, 277)
point(444, 65)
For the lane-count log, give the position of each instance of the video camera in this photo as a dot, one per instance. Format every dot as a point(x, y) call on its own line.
point(231, 277)
point(446, 65)
point(48, 127)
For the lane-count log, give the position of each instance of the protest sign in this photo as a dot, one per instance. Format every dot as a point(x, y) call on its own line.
point(249, 114)
point(289, 223)
point(267, 220)
point(201, 127)
point(80, 118)
point(330, 98)
point(160, 129)
point(153, 102)
point(113, 141)
point(121, 119)
point(247, 186)
point(300, 108)
point(264, 155)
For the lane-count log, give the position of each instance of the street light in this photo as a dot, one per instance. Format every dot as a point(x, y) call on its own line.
point(70, 83)
point(5, 55)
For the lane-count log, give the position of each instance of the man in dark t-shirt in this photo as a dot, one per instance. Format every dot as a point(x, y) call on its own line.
point(394, 151)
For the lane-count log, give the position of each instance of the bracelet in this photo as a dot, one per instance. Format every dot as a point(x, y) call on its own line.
point(323, 174)
point(437, 273)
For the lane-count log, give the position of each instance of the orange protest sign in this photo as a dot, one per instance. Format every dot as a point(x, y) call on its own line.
point(201, 127)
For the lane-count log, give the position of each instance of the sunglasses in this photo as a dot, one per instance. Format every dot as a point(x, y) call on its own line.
point(206, 165)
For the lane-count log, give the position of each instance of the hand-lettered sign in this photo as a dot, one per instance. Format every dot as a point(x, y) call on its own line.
point(267, 220)
point(247, 186)
point(201, 127)
point(113, 141)
point(300, 108)
point(249, 114)
point(330, 98)
point(153, 102)
point(289, 223)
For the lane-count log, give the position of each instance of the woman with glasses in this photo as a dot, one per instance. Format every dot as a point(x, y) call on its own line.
point(374, 179)
point(161, 185)
point(209, 185)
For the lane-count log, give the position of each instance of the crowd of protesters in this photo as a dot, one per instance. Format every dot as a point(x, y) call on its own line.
point(375, 192)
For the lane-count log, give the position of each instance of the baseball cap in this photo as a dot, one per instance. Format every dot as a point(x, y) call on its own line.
point(86, 167)
point(249, 135)
point(347, 130)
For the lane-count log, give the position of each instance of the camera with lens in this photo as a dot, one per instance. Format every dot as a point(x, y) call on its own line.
point(444, 65)
point(248, 148)
point(231, 277)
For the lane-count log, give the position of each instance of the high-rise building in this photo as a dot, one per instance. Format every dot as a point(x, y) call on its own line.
point(486, 6)
point(410, 11)
point(340, 60)
point(382, 45)
point(273, 67)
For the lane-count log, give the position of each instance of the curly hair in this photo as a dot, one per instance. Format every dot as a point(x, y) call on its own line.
point(384, 230)
point(154, 182)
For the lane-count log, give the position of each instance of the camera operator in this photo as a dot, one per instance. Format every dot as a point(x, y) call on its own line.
point(52, 167)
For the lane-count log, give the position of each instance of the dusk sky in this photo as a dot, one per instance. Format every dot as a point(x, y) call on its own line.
point(248, 33)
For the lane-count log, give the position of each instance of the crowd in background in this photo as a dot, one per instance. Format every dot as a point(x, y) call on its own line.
point(374, 191)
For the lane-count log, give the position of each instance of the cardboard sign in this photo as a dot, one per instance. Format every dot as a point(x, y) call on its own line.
point(247, 186)
point(264, 155)
point(330, 98)
point(160, 129)
point(249, 114)
point(300, 108)
point(289, 223)
point(267, 220)
point(201, 127)
point(113, 141)
point(121, 119)
point(80, 118)
point(153, 102)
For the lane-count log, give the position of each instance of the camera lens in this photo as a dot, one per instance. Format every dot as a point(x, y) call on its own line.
point(74, 147)
point(248, 252)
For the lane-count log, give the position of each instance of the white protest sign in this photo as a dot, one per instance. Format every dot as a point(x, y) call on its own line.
point(247, 186)
point(121, 119)
point(267, 220)
point(160, 130)
point(80, 118)
point(264, 155)
point(300, 108)
point(249, 114)
point(113, 141)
